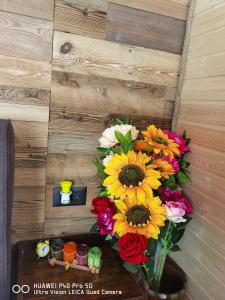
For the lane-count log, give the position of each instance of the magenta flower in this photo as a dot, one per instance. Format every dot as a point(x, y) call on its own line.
point(168, 195)
point(178, 139)
point(174, 163)
point(105, 221)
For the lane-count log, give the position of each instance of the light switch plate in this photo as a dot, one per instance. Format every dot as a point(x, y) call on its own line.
point(77, 198)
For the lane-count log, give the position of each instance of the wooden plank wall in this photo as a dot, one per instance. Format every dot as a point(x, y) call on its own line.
point(25, 81)
point(110, 58)
point(95, 59)
point(202, 114)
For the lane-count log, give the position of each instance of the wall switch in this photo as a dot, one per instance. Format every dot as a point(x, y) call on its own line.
point(78, 196)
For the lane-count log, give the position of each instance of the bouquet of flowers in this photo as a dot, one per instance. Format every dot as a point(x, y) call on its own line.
point(141, 207)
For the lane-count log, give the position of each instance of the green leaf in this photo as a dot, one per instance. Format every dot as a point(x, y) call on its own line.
point(94, 228)
point(177, 235)
point(122, 140)
point(188, 141)
point(117, 121)
point(103, 150)
point(184, 135)
point(185, 164)
point(115, 246)
point(108, 237)
point(183, 177)
point(130, 267)
point(103, 193)
point(100, 167)
point(175, 248)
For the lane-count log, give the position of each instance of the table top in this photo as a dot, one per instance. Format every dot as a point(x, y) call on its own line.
point(47, 282)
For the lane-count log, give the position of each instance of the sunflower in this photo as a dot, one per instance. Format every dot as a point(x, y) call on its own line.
point(143, 218)
point(129, 176)
point(160, 142)
point(165, 167)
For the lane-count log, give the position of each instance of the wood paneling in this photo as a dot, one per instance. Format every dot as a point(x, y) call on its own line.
point(35, 8)
point(172, 8)
point(24, 73)
point(204, 89)
point(29, 231)
point(144, 29)
point(202, 111)
point(73, 18)
point(67, 226)
point(25, 37)
point(113, 60)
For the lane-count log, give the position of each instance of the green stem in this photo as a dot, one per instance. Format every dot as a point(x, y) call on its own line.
point(162, 257)
point(148, 275)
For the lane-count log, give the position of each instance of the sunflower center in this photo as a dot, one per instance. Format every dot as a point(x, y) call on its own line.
point(159, 140)
point(138, 215)
point(131, 175)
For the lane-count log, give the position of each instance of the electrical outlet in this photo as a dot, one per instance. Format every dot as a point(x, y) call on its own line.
point(78, 196)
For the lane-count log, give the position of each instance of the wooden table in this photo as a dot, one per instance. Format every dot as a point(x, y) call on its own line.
point(113, 282)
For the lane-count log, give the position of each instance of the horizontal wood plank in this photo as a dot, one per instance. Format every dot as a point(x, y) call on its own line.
point(37, 8)
point(211, 112)
point(204, 5)
point(25, 37)
point(207, 20)
point(25, 177)
point(30, 134)
point(204, 89)
point(30, 157)
point(28, 205)
point(76, 19)
point(145, 29)
point(113, 60)
point(98, 5)
point(67, 226)
point(27, 232)
point(206, 66)
point(24, 112)
point(203, 134)
point(24, 96)
point(24, 73)
point(172, 8)
point(199, 45)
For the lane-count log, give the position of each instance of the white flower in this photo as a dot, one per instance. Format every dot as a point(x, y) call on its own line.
point(107, 159)
point(175, 212)
point(108, 138)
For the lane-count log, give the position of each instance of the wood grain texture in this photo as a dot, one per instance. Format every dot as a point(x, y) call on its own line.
point(27, 200)
point(206, 66)
point(24, 96)
point(25, 177)
point(202, 115)
point(98, 5)
point(42, 9)
point(24, 73)
point(144, 29)
point(73, 18)
point(204, 89)
point(207, 20)
point(27, 232)
point(207, 135)
point(24, 112)
point(200, 45)
point(25, 37)
point(67, 226)
point(173, 8)
point(30, 134)
point(211, 112)
point(113, 60)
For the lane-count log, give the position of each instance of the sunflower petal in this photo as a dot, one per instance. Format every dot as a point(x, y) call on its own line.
point(120, 205)
point(140, 195)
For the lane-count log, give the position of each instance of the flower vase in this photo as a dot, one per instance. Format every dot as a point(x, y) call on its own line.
point(172, 283)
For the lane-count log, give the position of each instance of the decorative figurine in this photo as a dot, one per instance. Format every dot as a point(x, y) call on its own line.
point(82, 254)
point(43, 248)
point(94, 258)
point(66, 192)
point(57, 249)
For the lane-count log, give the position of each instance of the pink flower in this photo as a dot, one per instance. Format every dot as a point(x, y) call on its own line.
point(174, 163)
point(175, 212)
point(167, 195)
point(105, 220)
point(178, 139)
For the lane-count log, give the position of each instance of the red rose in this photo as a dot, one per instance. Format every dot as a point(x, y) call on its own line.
point(132, 247)
point(100, 204)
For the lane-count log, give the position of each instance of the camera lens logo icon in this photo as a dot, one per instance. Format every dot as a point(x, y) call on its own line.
point(23, 289)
